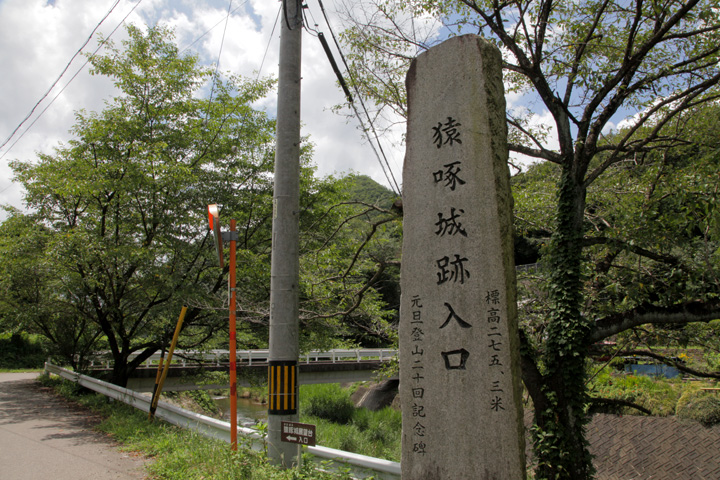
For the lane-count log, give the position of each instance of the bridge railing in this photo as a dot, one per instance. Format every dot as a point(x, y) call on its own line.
point(217, 357)
point(361, 466)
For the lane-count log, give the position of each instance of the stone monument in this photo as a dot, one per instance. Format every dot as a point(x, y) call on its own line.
point(459, 361)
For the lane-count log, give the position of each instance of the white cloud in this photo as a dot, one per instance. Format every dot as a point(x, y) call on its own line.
point(38, 38)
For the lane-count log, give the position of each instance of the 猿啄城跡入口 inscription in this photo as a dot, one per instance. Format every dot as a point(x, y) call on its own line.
point(458, 315)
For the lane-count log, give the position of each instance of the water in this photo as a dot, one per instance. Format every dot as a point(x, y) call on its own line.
point(248, 412)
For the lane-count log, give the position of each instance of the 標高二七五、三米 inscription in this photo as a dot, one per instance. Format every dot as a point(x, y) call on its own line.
point(459, 360)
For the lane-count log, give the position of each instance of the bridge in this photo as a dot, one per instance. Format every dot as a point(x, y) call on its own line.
point(332, 366)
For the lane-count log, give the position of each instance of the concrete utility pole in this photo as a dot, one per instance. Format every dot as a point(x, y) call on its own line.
point(284, 323)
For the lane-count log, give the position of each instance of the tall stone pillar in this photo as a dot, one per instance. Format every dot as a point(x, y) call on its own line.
point(459, 360)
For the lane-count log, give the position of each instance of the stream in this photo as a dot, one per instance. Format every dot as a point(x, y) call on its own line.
point(248, 411)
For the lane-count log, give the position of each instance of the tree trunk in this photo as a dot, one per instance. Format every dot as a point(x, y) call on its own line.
point(120, 374)
point(560, 416)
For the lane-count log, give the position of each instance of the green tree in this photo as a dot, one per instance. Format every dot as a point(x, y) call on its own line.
point(349, 272)
point(125, 200)
point(587, 64)
point(123, 213)
point(344, 263)
point(33, 294)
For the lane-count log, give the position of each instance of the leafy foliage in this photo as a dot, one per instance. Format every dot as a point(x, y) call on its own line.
point(703, 407)
point(118, 240)
point(329, 401)
point(360, 430)
point(123, 202)
point(19, 351)
point(583, 67)
point(658, 397)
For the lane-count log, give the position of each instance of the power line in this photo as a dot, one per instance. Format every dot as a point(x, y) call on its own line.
point(262, 63)
point(61, 74)
point(242, 123)
point(212, 28)
point(222, 42)
point(87, 61)
point(380, 155)
point(100, 45)
point(334, 66)
point(268, 45)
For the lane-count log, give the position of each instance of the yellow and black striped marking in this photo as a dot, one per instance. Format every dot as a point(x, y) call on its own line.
point(282, 381)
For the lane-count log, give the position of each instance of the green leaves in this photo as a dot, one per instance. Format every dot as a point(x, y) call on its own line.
point(122, 211)
point(124, 203)
point(620, 218)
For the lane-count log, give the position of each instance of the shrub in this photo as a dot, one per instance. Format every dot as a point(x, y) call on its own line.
point(658, 396)
point(328, 401)
point(20, 351)
point(340, 425)
point(362, 418)
point(712, 359)
point(700, 406)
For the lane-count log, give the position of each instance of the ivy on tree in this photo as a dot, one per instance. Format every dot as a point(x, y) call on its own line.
point(583, 66)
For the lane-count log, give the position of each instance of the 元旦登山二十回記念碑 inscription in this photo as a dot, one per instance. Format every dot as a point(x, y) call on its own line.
point(459, 361)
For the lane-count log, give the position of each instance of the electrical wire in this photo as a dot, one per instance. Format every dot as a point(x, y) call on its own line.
point(247, 113)
point(335, 68)
point(57, 80)
point(259, 72)
point(86, 62)
point(217, 63)
point(183, 50)
point(312, 31)
point(380, 155)
point(267, 49)
point(100, 45)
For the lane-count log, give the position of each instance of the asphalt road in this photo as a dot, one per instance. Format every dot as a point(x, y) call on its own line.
point(43, 437)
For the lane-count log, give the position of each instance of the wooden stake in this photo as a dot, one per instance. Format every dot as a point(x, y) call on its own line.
point(153, 405)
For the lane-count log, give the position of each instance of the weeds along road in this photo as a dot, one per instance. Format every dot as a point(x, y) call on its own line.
point(42, 436)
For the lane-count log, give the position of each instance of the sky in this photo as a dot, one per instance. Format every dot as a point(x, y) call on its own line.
point(41, 88)
point(38, 38)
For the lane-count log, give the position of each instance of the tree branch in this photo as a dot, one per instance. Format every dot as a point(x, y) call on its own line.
point(616, 402)
point(623, 245)
point(696, 311)
point(531, 376)
point(669, 361)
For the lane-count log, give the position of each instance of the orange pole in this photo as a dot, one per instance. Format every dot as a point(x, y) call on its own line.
point(233, 342)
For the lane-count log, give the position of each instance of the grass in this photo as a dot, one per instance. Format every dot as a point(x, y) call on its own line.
point(180, 454)
point(658, 396)
point(340, 425)
point(663, 397)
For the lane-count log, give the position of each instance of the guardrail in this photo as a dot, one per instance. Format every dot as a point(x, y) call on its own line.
point(260, 356)
point(361, 465)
